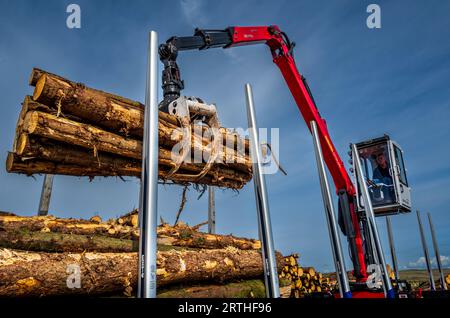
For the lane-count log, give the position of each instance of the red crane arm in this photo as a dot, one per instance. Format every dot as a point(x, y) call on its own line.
point(283, 58)
point(281, 49)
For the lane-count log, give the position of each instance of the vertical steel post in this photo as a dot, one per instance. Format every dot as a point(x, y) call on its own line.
point(425, 252)
point(437, 254)
point(370, 216)
point(392, 246)
point(148, 201)
point(211, 211)
point(46, 193)
point(336, 248)
point(262, 204)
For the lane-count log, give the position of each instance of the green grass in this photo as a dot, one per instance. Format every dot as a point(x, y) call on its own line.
point(420, 274)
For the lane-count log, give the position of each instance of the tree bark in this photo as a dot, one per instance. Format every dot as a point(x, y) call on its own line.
point(36, 73)
point(29, 105)
point(91, 105)
point(130, 219)
point(54, 242)
point(50, 223)
point(45, 274)
point(180, 236)
point(95, 139)
point(27, 166)
point(310, 270)
point(186, 236)
point(83, 135)
point(59, 242)
point(32, 147)
point(112, 112)
point(17, 164)
point(51, 242)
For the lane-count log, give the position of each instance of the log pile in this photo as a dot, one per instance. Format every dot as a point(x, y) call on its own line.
point(48, 233)
point(304, 280)
point(44, 256)
point(391, 272)
point(69, 129)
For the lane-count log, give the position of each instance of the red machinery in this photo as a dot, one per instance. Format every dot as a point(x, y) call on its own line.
point(282, 52)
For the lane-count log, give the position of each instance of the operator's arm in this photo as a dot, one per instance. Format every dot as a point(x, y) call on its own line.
point(376, 174)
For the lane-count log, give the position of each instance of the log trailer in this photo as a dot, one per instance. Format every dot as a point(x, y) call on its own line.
point(381, 158)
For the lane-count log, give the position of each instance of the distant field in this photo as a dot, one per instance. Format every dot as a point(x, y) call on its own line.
point(417, 277)
point(420, 274)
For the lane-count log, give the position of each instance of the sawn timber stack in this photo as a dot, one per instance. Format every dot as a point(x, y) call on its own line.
point(70, 129)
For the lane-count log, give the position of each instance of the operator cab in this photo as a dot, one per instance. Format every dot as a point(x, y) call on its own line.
point(384, 170)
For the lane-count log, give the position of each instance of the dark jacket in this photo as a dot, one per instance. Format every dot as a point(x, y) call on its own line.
point(380, 173)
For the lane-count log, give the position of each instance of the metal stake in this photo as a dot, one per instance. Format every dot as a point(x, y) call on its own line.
point(368, 209)
point(148, 201)
point(344, 287)
point(437, 254)
point(262, 204)
point(211, 211)
point(425, 252)
point(46, 193)
point(392, 247)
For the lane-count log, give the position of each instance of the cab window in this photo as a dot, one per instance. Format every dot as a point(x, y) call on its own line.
point(399, 161)
point(376, 166)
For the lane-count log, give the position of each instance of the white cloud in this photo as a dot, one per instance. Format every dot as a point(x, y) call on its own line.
point(193, 12)
point(421, 263)
point(445, 260)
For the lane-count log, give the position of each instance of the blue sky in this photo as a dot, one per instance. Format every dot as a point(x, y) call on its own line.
point(366, 83)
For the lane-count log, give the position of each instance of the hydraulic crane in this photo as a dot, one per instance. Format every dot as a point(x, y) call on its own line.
point(351, 222)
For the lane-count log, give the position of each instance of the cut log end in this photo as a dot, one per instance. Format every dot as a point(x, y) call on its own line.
point(31, 122)
point(9, 162)
point(22, 143)
point(39, 87)
point(67, 122)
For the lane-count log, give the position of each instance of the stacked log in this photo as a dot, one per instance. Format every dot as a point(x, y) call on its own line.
point(390, 272)
point(34, 232)
point(101, 273)
point(42, 256)
point(130, 219)
point(70, 129)
point(304, 280)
